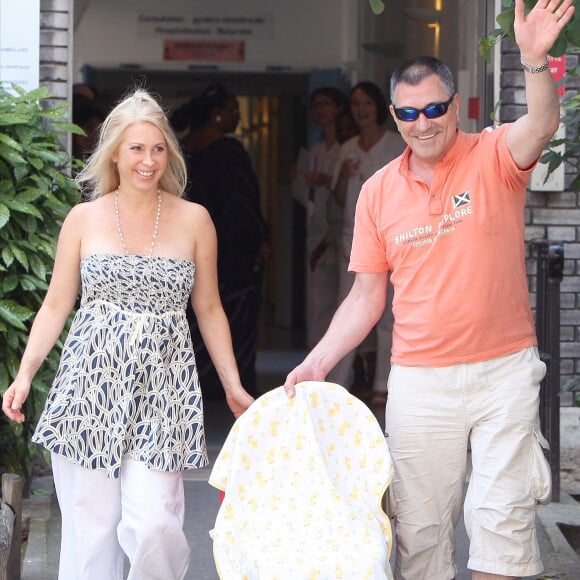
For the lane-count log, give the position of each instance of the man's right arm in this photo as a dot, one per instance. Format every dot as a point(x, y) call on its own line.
point(354, 319)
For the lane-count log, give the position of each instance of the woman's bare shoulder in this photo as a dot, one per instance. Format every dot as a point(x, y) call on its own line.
point(87, 211)
point(188, 228)
point(190, 210)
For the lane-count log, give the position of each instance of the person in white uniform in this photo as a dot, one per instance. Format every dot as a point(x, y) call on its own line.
point(311, 188)
point(124, 417)
point(359, 158)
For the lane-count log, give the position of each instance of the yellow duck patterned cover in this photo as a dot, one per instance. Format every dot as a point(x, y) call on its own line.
point(304, 479)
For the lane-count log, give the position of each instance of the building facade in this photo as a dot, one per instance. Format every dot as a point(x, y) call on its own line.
point(292, 50)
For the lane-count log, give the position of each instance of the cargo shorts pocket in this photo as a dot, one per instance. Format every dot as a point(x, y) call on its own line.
point(540, 472)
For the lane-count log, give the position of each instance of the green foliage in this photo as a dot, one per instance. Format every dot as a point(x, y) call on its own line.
point(570, 35)
point(35, 195)
point(572, 150)
point(568, 41)
point(573, 384)
point(377, 6)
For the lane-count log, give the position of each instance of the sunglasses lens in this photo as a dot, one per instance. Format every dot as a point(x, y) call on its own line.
point(435, 111)
point(407, 114)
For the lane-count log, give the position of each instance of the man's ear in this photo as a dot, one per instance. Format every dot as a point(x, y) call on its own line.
point(392, 111)
point(456, 103)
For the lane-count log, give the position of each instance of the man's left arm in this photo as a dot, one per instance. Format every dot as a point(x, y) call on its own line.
point(535, 34)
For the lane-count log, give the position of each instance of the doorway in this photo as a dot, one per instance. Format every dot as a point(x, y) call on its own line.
point(273, 125)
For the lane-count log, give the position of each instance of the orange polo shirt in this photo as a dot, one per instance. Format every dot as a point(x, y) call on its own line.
point(455, 252)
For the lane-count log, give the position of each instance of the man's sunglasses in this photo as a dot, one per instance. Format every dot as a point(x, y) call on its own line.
point(432, 111)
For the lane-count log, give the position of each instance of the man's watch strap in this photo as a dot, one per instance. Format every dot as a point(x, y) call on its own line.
point(534, 69)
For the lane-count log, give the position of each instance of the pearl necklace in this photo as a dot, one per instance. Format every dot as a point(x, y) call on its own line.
point(155, 226)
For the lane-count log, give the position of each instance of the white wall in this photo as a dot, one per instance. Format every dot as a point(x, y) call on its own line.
point(298, 34)
point(302, 34)
point(19, 43)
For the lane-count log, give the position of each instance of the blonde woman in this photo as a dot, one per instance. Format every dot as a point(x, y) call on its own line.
point(124, 417)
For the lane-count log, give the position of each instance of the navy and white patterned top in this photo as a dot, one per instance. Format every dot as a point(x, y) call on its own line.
point(127, 382)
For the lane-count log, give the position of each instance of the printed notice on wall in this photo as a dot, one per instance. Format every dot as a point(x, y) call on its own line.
point(19, 43)
point(557, 66)
point(215, 26)
point(204, 50)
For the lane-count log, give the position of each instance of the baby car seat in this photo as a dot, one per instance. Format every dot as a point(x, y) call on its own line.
point(304, 479)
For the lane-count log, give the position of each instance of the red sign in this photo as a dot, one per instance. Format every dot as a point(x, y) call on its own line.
point(473, 108)
point(204, 50)
point(557, 66)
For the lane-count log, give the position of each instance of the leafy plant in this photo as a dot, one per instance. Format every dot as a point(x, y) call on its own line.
point(568, 41)
point(573, 385)
point(377, 6)
point(505, 19)
point(35, 195)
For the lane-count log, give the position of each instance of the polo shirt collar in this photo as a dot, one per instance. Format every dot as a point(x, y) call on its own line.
point(456, 149)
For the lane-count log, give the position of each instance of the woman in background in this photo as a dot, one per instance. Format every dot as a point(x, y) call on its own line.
point(346, 128)
point(311, 188)
point(359, 158)
point(221, 178)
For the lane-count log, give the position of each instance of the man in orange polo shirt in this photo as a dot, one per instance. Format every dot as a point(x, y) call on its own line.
point(445, 221)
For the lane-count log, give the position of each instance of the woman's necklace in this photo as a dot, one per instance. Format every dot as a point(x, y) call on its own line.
point(155, 226)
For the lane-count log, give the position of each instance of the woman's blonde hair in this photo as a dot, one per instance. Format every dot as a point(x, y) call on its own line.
point(100, 175)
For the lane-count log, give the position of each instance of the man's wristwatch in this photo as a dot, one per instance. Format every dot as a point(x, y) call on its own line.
point(534, 69)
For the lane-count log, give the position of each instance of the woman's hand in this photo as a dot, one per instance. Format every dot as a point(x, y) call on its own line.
point(238, 401)
point(349, 168)
point(14, 398)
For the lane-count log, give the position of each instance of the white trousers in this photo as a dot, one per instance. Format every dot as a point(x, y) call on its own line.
point(140, 514)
